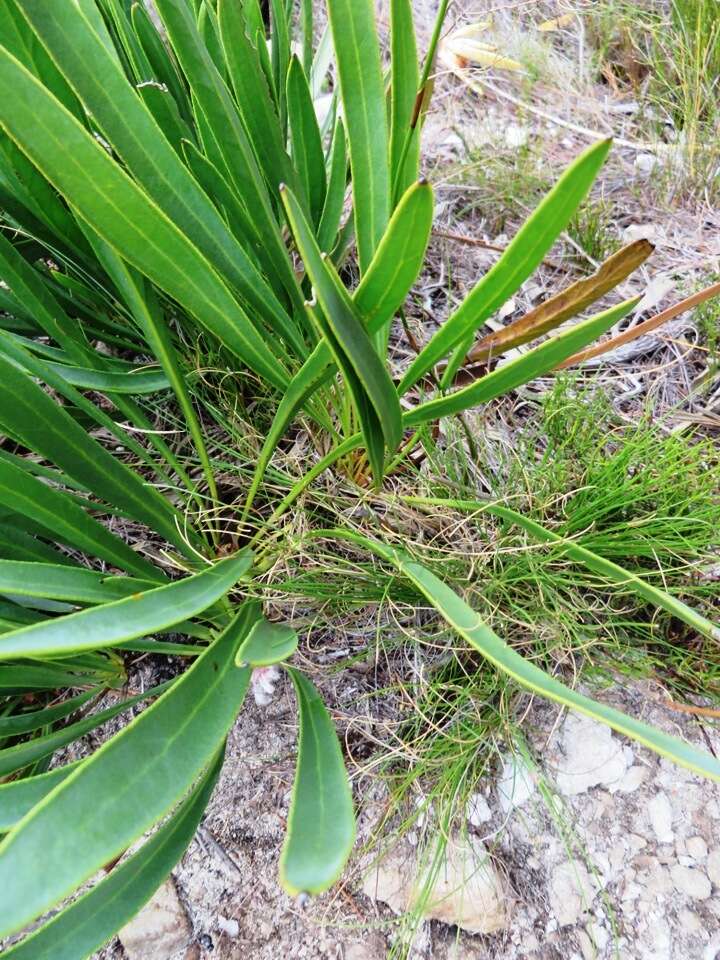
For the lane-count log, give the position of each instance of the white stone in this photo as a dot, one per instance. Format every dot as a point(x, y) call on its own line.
point(660, 813)
point(229, 926)
point(516, 783)
point(712, 950)
point(697, 848)
point(633, 779)
point(692, 882)
point(478, 811)
point(160, 930)
point(713, 866)
point(262, 682)
point(645, 163)
point(357, 951)
point(467, 890)
point(593, 756)
point(515, 135)
point(689, 921)
point(571, 892)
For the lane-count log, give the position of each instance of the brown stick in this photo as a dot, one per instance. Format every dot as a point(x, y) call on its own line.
point(696, 711)
point(640, 329)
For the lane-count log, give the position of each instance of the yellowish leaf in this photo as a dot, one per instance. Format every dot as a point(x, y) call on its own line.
point(548, 26)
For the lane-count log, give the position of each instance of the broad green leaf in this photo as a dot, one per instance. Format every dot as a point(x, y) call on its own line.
point(124, 215)
point(266, 644)
point(321, 824)
point(535, 363)
point(158, 56)
point(45, 427)
point(346, 326)
point(74, 584)
point(69, 522)
point(87, 923)
point(522, 256)
point(126, 787)
point(307, 149)
point(23, 754)
point(306, 16)
point(135, 616)
point(469, 625)
point(365, 115)
point(19, 38)
point(253, 96)
point(404, 86)
point(18, 797)
point(397, 261)
point(229, 136)
point(336, 187)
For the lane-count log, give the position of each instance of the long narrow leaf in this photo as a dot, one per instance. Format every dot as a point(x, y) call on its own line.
point(535, 363)
point(99, 82)
point(336, 187)
point(70, 523)
point(363, 96)
point(306, 140)
point(21, 723)
point(122, 214)
point(85, 925)
point(253, 96)
point(128, 785)
point(229, 136)
point(321, 824)
point(135, 616)
point(347, 326)
point(74, 584)
point(522, 256)
point(45, 427)
point(468, 624)
point(404, 86)
point(398, 259)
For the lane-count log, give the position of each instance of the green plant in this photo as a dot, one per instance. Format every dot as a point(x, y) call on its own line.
point(670, 53)
point(172, 211)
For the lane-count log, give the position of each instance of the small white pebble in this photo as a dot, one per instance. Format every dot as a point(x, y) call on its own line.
point(229, 926)
point(697, 848)
point(263, 682)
